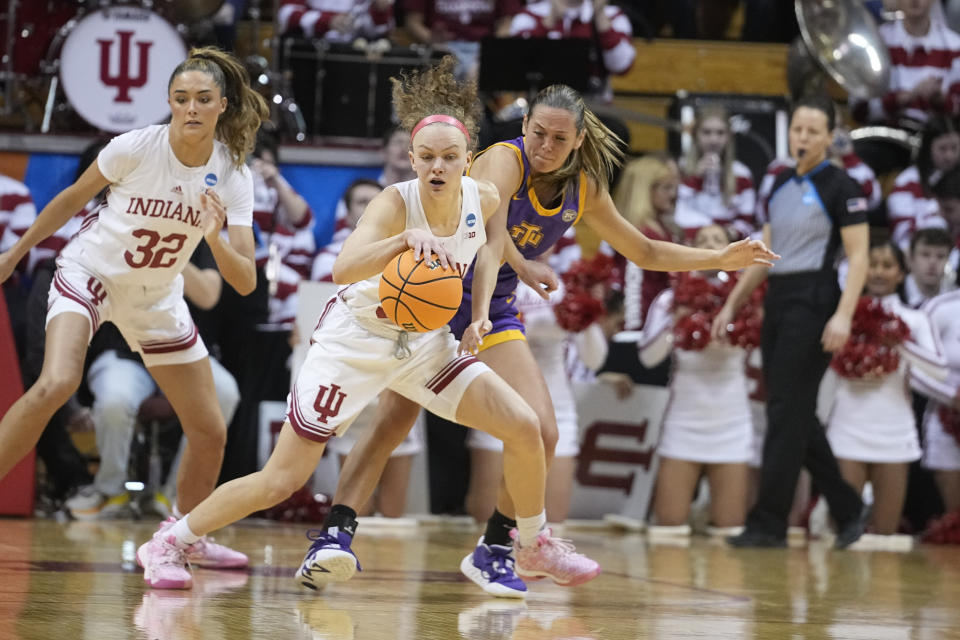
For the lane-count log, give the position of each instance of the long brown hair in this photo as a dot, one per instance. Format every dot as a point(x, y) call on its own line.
point(599, 155)
point(435, 91)
point(246, 109)
point(728, 179)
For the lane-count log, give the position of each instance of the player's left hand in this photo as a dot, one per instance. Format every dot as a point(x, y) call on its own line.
point(212, 213)
point(473, 336)
point(745, 253)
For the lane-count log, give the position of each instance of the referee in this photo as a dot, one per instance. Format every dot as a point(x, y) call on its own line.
point(811, 211)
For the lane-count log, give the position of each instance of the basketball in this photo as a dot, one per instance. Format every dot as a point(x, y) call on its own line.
point(419, 295)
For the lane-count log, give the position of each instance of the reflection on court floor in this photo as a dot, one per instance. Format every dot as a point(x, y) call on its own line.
point(76, 581)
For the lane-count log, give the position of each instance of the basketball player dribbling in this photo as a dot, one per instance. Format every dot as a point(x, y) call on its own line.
point(170, 186)
point(548, 179)
point(356, 353)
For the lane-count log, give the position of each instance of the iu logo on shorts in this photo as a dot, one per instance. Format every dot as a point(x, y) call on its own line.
point(97, 290)
point(123, 81)
point(327, 404)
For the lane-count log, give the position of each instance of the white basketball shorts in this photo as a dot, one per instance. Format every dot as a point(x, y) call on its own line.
point(155, 321)
point(347, 366)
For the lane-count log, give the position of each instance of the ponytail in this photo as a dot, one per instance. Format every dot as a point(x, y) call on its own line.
point(246, 109)
point(601, 151)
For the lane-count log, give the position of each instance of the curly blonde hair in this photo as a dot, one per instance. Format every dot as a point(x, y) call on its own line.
point(435, 91)
point(246, 109)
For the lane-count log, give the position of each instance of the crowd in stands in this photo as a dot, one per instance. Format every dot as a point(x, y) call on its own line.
point(707, 198)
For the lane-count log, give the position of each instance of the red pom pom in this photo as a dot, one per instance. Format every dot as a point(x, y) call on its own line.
point(704, 298)
point(577, 310)
point(871, 352)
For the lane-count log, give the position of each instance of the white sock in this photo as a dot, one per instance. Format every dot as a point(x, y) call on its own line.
point(175, 512)
point(181, 531)
point(529, 528)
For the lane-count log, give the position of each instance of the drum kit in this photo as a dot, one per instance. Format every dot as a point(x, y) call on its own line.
point(108, 61)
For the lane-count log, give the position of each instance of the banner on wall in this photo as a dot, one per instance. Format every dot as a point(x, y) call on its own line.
point(617, 465)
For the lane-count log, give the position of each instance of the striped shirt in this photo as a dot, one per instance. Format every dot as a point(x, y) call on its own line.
point(913, 59)
point(806, 214)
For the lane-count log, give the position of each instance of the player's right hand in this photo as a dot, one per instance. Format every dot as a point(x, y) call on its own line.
point(539, 277)
point(7, 265)
point(424, 243)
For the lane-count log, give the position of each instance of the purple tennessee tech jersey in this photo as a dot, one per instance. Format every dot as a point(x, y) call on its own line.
point(534, 229)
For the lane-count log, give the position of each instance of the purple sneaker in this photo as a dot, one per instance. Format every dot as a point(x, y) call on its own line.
point(554, 558)
point(491, 567)
point(330, 559)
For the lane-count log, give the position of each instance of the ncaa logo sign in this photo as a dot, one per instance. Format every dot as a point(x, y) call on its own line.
point(471, 219)
point(210, 179)
point(115, 64)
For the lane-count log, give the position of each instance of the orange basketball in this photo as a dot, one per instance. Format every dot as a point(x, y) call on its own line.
point(419, 295)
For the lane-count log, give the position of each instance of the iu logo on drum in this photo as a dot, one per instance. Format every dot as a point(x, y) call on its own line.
point(122, 80)
point(115, 64)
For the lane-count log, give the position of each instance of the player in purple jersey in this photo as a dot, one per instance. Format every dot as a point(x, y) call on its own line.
point(553, 176)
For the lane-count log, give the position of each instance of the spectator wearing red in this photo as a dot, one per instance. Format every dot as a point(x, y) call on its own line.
point(17, 213)
point(337, 20)
point(716, 188)
point(459, 26)
point(912, 204)
point(922, 52)
point(587, 20)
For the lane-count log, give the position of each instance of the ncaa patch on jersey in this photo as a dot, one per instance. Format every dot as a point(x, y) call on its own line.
point(856, 204)
point(569, 215)
point(210, 179)
point(471, 219)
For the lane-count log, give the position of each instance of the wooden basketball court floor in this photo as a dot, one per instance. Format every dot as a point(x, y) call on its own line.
point(78, 581)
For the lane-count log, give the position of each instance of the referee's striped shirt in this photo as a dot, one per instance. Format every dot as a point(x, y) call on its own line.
point(806, 213)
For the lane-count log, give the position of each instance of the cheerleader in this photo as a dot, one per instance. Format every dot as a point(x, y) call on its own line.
point(707, 427)
point(941, 422)
point(871, 427)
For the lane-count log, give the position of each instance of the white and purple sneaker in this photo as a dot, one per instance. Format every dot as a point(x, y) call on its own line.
point(330, 559)
point(491, 567)
point(553, 558)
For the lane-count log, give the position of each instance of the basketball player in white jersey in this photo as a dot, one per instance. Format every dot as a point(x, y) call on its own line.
point(356, 353)
point(169, 187)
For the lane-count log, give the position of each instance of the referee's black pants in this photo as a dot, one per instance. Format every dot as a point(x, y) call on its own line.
point(796, 310)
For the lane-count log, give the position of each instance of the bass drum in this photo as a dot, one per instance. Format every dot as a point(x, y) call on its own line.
point(115, 64)
point(187, 11)
point(36, 22)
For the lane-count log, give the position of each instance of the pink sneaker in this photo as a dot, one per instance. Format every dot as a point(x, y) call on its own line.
point(553, 558)
point(164, 563)
point(207, 554)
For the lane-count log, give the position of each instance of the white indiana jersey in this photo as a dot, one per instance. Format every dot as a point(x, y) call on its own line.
point(363, 298)
point(151, 224)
